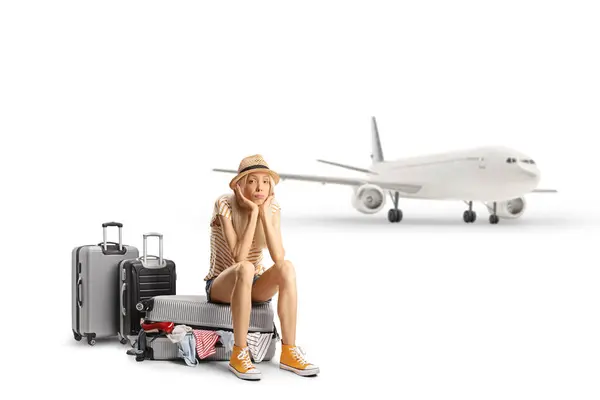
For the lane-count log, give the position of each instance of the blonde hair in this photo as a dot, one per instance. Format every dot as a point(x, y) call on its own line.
point(240, 217)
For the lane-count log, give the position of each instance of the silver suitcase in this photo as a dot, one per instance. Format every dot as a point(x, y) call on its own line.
point(95, 294)
point(196, 312)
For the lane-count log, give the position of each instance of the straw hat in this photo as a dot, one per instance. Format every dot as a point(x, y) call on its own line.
point(250, 164)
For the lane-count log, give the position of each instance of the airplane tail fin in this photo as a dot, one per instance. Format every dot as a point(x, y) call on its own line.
point(376, 151)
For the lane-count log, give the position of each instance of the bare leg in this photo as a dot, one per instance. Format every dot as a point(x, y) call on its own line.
point(282, 277)
point(234, 286)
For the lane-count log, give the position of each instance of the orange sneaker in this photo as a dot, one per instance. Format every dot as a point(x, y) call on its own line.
point(241, 365)
point(292, 359)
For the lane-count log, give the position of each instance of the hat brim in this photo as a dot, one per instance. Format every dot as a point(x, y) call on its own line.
point(239, 176)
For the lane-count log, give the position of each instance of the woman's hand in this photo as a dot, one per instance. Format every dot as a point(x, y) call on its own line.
point(253, 207)
point(265, 212)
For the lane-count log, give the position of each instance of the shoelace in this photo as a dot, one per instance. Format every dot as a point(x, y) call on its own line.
point(245, 358)
point(298, 354)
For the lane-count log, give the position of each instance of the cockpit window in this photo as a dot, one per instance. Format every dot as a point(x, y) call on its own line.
point(512, 160)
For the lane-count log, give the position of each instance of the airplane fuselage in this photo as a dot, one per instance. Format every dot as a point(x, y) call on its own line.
point(480, 174)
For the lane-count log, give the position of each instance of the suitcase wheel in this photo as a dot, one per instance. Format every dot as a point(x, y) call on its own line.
point(91, 340)
point(122, 339)
point(77, 336)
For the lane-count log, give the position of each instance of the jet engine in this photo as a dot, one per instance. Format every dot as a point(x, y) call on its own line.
point(513, 208)
point(368, 199)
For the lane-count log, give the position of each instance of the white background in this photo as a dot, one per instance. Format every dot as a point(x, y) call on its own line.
point(119, 111)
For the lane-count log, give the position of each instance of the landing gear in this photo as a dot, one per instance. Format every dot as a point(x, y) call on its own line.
point(469, 216)
point(395, 215)
point(494, 217)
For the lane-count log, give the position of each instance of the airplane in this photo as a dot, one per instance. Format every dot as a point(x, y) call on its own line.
point(499, 177)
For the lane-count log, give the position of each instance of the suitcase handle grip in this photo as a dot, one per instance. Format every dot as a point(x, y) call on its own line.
point(123, 290)
point(108, 251)
point(78, 296)
point(144, 258)
point(120, 226)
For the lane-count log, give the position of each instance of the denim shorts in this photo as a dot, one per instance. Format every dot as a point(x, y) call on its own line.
point(210, 282)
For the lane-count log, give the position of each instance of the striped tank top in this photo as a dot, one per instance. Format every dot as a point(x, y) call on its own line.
point(221, 256)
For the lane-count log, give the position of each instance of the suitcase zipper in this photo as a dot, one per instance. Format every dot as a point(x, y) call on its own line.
point(154, 336)
point(275, 334)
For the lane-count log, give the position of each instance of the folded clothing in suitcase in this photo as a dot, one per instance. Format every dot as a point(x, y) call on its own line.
point(159, 347)
point(197, 313)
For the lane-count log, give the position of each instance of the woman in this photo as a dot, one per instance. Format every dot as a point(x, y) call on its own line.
point(243, 224)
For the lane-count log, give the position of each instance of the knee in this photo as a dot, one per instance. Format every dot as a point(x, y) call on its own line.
point(286, 271)
point(244, 271)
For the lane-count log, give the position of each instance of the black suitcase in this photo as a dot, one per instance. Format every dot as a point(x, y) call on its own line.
point(140, 279)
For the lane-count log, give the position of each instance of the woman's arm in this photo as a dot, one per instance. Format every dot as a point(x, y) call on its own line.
point(272, 229)
point(240, 247)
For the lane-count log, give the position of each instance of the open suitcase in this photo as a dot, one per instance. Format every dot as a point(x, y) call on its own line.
point(95, 304)
point(197, 313)
point(141, 279)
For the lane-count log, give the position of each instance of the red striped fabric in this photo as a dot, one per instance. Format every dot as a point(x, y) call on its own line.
point(205, 342)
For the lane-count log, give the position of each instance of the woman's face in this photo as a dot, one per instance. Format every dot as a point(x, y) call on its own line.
point(257, 187)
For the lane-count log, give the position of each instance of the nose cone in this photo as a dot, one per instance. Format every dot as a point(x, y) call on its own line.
point(531, 171)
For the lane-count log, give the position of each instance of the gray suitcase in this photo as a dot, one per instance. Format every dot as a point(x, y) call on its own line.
point(195, 312)
point(95, 295)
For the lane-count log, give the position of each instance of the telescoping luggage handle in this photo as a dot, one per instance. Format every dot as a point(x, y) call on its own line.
point(144, 258)
point(104, 242)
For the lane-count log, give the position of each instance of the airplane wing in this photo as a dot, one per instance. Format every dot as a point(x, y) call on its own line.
point(399, 187)
point(366, 171)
